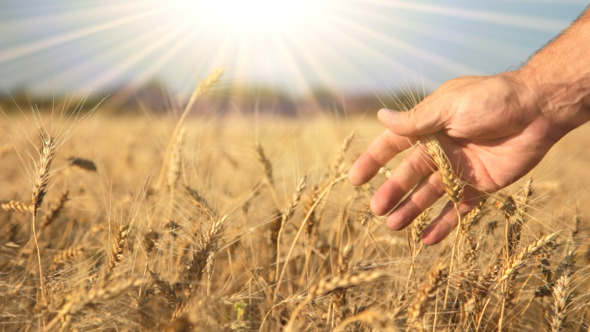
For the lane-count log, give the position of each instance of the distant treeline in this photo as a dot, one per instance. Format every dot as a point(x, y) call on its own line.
point(154, 97)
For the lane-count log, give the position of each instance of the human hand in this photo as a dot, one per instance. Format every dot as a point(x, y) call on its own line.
point(492, 129)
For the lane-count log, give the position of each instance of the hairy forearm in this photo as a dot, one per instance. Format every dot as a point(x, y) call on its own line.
point(558, 76)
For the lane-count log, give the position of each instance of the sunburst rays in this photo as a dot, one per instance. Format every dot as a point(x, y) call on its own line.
point(352, 45)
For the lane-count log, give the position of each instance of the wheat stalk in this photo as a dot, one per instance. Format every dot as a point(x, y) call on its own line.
point(332, 283)
point(453, 188)
point(64, 256)
point(426, 294)
point(200, 89)
point(347, 280)
point(519, 261)
point(561, 294)
point(48, 150)
point(310, 229)
point(265, 163)
point(452, 184)
point(54, 211)
point(300, 230)
point(203, 257)
point(337, 165)
point(378, 318)
point(517, 216)
point(284, 216)
point(290, 210)
point(419, 225)
point(200, 202)
point(165, 289)
point(174, 169)
point(473, 217)
point(77, 301)
point(116, 254)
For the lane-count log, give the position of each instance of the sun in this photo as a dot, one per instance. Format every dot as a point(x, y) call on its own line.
point(249, 38)
point(253, 15)
point(259, 11)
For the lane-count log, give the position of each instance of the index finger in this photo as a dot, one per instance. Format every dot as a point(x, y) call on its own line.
point(386, 146)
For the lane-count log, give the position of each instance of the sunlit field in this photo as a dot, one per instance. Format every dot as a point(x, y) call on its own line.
point(226, 207)
point(244, 223)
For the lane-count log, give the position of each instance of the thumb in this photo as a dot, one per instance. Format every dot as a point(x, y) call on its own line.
point(415, 122)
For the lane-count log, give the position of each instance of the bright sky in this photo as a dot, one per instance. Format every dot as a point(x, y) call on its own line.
point(343, 45)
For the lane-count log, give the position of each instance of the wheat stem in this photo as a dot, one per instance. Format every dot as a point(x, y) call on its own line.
point(300, 231)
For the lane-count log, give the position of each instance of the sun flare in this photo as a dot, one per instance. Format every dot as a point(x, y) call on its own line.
point(246, 36)
point(241, 16)
point(296, 46)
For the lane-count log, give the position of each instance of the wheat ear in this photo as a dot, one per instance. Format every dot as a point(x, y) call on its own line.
point(54, 211)
point(332, 283)
point(284, 216)
point(265, 163)
point(427, 293)
point(347, 280)
point(561, 293)
point(518, 262)
point(337, 168)
point(17, 206)
point(116, 254)
point(48, 150)
point(515, 264)
point(200, 89)
point(200, 202)
point(453, 188)
point(473, 217)
point(452, 184)
point(203, 257)
point(302, 227)
point(380, 319)
point(81, 299)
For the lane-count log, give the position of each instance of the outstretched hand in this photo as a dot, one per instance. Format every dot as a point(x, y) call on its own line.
point(492, 129)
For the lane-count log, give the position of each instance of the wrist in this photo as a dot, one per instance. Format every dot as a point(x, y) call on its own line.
point(561, 97)
point(559, 77)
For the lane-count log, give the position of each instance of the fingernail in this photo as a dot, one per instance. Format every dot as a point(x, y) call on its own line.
point(387, 114)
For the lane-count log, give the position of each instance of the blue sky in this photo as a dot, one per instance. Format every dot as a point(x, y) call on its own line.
point(346, 46)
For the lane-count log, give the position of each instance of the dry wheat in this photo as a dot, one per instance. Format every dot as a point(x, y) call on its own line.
point(116, 253)
point(561, 295)
point(347, 280)
point(427, 293)
point(17, 206)
point(519, 261)
point(48, 150)
point(54, 210)
point(82, 163)
point(453, 186)
point(265, 163)
point(337, 164)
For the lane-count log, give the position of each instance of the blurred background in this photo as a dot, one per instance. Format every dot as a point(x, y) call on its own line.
point(347, 55)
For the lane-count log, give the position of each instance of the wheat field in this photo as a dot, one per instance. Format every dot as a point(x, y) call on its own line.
point(173, 223)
